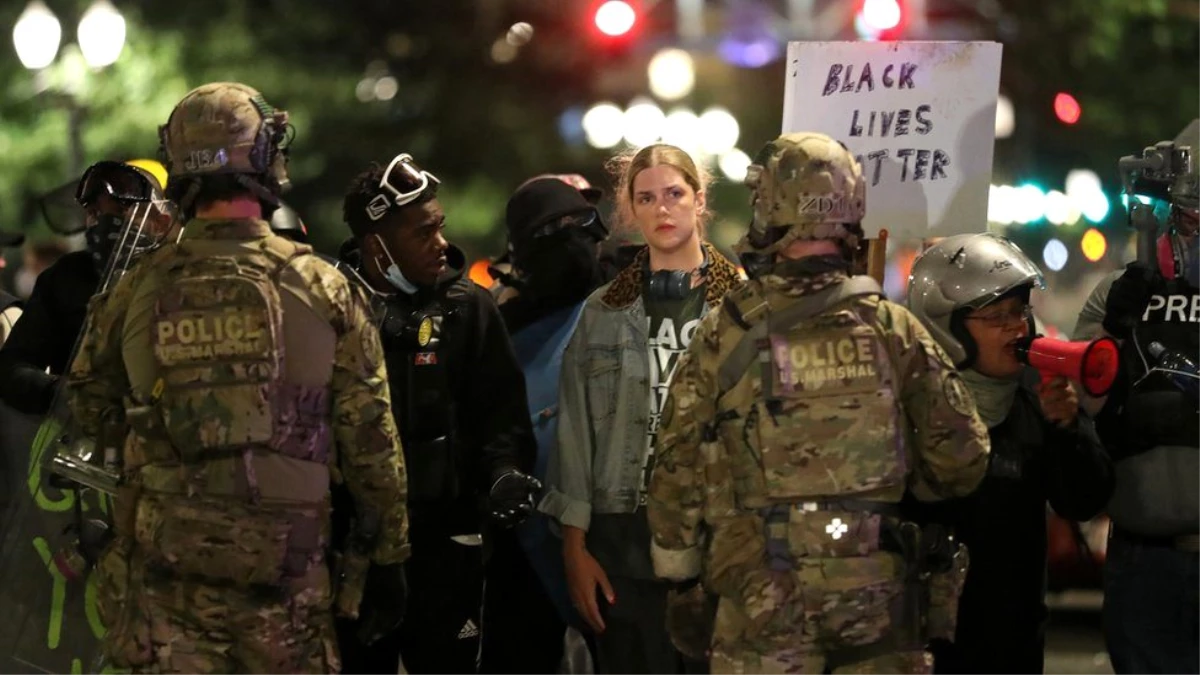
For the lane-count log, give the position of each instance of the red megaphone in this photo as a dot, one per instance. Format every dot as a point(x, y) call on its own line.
point(1093, 364)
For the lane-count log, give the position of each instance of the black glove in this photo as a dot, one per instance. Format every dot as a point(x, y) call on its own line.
point(1127, 299)
point(384, 600)
point(511, 498)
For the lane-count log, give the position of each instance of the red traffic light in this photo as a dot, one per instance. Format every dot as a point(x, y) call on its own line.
point(880, 19)
point(1066, 108)
point(880, 15)
point(615, 18)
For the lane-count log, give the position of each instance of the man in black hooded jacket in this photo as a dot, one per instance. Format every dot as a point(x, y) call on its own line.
point(459, 399)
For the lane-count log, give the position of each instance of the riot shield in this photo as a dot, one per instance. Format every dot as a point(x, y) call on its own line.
point(57, 519)
point(51, 623)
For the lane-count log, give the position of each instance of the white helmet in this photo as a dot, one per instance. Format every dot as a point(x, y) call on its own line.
point(966, 271)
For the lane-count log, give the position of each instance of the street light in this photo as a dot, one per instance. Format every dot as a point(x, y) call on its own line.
point(101, 37)
point(36, 36)
point(101, 34)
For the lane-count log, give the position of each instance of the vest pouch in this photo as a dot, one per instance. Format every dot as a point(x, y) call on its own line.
point(217, 332)
point(226, 541)
point(794, 533)
point(829, 424)
point(431, 470)
point(302, 428)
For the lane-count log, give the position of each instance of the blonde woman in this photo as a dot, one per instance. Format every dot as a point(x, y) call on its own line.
point(614, 379)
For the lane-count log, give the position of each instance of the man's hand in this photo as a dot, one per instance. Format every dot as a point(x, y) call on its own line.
point(511, 498)
point(1127, 299)
point(1059, 402)
point(583, 575)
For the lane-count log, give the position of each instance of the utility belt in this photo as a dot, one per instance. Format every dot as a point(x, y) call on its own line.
point(1184, 542)
point(302, 432)
point(935, 563)
point(925, 549)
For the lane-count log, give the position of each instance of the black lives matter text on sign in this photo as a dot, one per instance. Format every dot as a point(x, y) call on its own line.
point(915, 163)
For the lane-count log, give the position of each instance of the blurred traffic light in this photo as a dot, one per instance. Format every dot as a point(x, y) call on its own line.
point(880, 19)
point(1094, 244)
point(613, 26)
point(1066, 108)
point(615, 18)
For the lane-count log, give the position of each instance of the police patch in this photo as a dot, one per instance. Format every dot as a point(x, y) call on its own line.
point(425, 331)
point(956, 393)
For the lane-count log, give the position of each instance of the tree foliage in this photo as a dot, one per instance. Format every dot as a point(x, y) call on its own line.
point(484, 127)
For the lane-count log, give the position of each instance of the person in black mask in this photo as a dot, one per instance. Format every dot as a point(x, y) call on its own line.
point(459, 399)
point(554, 234)
point(124, 210)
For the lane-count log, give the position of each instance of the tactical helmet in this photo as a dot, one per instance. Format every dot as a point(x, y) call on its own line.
point(152, 167)
point(965, 271)
point(227, 128)
point(806, 186)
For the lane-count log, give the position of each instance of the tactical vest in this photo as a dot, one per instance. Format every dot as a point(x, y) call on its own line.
point(1154, 438)
point(826, 427)
point(223, 402)
point(1156, 411)
point(539, 349)
point(823, 439)
point(420, 345)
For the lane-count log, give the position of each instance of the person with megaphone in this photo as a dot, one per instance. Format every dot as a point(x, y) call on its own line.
point(972, 292)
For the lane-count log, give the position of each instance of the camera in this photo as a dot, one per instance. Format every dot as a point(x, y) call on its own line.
point(1153, 173)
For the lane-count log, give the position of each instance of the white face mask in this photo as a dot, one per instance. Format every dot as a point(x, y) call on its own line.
point(23, 282)
point(393, 274)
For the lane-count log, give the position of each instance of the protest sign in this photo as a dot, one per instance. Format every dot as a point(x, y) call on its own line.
point(920, 117)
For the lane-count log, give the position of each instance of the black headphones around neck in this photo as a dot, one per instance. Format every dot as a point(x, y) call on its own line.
point(669, 284)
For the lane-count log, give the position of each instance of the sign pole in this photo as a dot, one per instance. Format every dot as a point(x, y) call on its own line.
point(877, 256)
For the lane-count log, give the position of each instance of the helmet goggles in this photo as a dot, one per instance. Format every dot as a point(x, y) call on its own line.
point(402, 183)
point(115, 179)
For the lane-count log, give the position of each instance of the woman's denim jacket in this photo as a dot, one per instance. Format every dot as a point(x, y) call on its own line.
point(604, 398)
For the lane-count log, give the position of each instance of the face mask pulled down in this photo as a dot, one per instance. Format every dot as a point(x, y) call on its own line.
point(392, 273)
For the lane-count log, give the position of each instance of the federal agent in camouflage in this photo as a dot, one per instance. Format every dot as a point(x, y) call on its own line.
point(248, 375)
point(796, 422)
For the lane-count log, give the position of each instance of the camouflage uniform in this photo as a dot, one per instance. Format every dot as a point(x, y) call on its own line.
point(240, 375)
point(774, 484)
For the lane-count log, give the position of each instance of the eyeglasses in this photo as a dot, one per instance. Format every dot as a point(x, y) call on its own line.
point(117, 180)
point(404, 181)
point(1002, 318)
